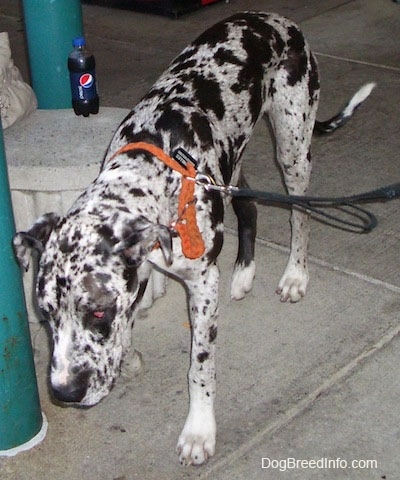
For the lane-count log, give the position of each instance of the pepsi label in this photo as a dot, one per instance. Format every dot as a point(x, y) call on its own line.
point(83, 85)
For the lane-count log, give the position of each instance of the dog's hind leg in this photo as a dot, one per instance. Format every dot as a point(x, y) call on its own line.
point(292, 116)
point(244, 270)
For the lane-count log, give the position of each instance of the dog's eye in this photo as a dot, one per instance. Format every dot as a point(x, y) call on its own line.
point(100, 321)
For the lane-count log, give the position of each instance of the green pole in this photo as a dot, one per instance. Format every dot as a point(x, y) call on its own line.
point(21, 421)
point(50, 26)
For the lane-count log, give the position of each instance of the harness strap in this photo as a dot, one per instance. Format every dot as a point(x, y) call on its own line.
point(186, 225)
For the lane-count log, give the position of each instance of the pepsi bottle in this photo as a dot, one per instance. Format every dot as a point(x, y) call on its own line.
point(81, 66)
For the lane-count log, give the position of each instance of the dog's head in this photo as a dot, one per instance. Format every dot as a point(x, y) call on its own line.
point(92, 275)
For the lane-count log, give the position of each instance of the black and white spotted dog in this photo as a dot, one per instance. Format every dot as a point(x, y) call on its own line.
point(95, 261)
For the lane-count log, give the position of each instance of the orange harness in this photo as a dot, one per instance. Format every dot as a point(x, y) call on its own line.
point(186, 225)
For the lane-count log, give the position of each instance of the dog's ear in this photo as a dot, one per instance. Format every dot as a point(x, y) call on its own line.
point(140, 238)
point(34, 239)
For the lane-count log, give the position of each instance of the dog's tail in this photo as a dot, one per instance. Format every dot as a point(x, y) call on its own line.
point(342, 117)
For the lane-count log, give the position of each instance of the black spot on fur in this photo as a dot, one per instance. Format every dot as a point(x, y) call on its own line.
point(61, 285)
point(239, 141)
point(201, 357)
point(278, 44)
point(226, 165)
point(103, 277)
point(102, 249)
point(201, 127)
point(259, 53)
point(213, 36)
point(114, 197)
point(271, 89)
point(156, 93)
point(130, 136)
point(163, 94)
point(107, 233)
point(223, 56)
point(183, 65)
point(61, 281)
point(218, 242)
point(131, 278)
point(88, 349)
point(213, 333)
point(77, 236)
point(65, 247)
point(114, 165)
point(313, 80)
point(296, 42)
point(137, 192)
point(208, 93)
point(121, 208)
point(41, 284)
point(173, 121)
point(184, 56)
point(296, 63)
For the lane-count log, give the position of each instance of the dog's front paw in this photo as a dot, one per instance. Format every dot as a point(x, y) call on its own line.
point(195, 449)
point(196, 443)
point(293, 284)
point(242, 280)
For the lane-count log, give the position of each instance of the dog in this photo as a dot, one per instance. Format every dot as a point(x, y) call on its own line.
point(152, 207)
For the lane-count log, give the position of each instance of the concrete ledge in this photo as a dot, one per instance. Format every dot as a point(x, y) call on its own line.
point(52, 156)
point(55, 150)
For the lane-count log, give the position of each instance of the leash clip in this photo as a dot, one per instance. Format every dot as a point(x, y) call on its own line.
point(209, 184)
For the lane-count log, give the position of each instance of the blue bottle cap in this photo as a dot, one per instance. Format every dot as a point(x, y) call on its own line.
point(79, 42)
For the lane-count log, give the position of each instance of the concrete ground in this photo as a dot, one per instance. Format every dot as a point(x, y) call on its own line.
point(315, 381)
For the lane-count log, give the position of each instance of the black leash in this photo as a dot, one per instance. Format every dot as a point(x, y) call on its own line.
point(317, 205)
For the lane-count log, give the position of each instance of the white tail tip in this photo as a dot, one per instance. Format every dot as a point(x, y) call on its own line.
point(359, 97)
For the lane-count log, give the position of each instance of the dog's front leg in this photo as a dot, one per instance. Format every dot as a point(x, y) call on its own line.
point(197, 440)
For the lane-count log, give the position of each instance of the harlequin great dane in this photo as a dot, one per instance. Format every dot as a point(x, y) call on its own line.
point(147, 209)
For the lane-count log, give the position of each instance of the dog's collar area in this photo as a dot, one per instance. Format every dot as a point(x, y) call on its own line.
point(186, 224)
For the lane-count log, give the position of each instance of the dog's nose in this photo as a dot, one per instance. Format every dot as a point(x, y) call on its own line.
point(74, 391)
point(69, 393)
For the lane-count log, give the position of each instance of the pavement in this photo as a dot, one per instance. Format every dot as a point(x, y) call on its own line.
point(307, 390)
